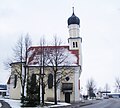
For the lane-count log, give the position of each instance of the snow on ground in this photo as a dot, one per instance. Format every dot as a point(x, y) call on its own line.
point(59, 104)
point(0, 105)
point(12, 103)
point(17, 103)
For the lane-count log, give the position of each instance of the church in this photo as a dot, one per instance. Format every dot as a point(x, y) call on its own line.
point(57, 66)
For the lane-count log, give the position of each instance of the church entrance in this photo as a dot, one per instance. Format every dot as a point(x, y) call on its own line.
point(67, 97)
point(67, 90)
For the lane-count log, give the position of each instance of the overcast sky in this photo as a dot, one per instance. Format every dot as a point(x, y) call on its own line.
point(99, 28)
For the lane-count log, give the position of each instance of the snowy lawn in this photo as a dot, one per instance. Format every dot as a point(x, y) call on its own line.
point(0, 105)
point(13, 103)
point(17, 104)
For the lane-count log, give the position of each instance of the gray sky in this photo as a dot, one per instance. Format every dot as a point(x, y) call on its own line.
point(99, 28)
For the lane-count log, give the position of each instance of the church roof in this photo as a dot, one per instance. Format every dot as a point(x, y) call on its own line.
point(73, 19)
point(72, 56)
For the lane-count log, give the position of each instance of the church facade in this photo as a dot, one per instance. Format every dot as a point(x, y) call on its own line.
point(50, 65)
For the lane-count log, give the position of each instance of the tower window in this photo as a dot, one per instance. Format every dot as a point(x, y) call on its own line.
point(73, 44)
point(76, 44)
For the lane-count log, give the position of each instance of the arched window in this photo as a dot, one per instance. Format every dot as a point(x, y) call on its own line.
point(15, 81)
point(50, 81)
point(33, 80)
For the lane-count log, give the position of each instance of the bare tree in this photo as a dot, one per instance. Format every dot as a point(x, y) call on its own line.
point(42, 67)
point(40, 56)
point(20, 57)
point(117, 85)
point(27, 44)
point(106, 88)
point(7, 63)
point(58, 58)
point(91, 87)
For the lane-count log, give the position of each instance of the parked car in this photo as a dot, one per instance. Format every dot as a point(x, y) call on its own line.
point(106, 97)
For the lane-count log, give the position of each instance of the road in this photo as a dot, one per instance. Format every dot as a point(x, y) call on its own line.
point(106, 103)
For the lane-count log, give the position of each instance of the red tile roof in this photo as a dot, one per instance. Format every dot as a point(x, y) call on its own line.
point(36, 51)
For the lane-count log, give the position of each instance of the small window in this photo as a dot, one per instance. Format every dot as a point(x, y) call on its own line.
point(50, 81)
point(15, 81)
point(73, 44)
point(33, 80)
point(67, 78)
point(76, 44)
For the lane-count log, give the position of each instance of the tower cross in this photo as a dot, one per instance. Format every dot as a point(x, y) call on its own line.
point(73, 10)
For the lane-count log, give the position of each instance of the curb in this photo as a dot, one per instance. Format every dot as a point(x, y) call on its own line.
point(74, 105)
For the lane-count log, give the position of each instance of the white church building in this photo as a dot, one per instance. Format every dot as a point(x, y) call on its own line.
point(68, 70)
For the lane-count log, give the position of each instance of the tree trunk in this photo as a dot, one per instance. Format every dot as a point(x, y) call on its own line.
point(42, 92)
point(55, 89)
point(39, 91)
point(22, 99)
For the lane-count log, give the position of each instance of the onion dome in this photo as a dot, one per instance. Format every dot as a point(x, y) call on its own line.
point(73, 19)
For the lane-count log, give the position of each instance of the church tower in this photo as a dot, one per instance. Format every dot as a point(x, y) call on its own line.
point(74, 39)
point(75, 42)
